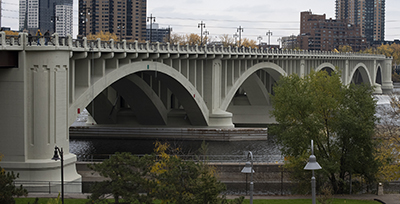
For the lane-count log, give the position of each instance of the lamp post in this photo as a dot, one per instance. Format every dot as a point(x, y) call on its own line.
point(235, 35)
point(312, 165)
point(259, 38)
point(56, 157)
point(248, 168)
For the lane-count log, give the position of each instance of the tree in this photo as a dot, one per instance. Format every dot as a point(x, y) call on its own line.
point(345, 48)
point(387, 133)
point(226, 40)
point(104, 36)
point(193, 39)
point(127, 176)
point(181, 181)
point(7, 187)
point(249, 43)
point(392, 50)
point(340, 119)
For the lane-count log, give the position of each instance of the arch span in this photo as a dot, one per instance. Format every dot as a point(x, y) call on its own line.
point(273, 69)
point(196, 108)
point(324, 66)
point(363, 71)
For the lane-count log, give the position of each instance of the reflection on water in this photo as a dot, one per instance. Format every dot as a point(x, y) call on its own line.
point(93, 149)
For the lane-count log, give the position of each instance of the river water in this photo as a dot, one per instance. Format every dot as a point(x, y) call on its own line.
point(236, 151)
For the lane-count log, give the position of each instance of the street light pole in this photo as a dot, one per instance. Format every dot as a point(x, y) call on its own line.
point(240, 30)
point(151, 19)
point(249, 169)
point(259, 38)
point(206, 34)
point(312, 165)
point(201, 26)
point(56, 157)
point(269, 34)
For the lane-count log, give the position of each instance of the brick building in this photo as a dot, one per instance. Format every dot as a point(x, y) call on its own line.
point(319, 33)
point(125, 18)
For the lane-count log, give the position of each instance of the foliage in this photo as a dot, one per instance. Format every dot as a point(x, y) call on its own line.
point(387, 133)
point(54, 200)
point(8, 190)
point(10, 32)
point(180, 181)
point(345, 48)
point(226, 40)
point(104, 36)
point(340, 119)
point(249, 43)
point(389, 51)
point(126, 177)
point(326, 195)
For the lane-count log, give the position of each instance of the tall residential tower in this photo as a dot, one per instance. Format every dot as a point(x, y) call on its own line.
point(368, 15)
point(125, 18)
point(52, 15)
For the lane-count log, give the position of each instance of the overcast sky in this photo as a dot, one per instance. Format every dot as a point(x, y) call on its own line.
point(256, 17)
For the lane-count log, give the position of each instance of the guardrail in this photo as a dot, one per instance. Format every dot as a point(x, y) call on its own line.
point(55, 40)
point(209, 158)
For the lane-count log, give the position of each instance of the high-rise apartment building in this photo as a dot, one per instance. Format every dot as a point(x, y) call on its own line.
point(125, 18)
point(368, 15)
point(52, 15)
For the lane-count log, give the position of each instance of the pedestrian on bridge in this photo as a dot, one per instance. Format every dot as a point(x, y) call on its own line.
point(38, 36)
point(46, 37)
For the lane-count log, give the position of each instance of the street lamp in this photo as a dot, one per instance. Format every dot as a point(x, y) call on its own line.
point(56, 157)
point(248, 168)
point(259, 38)
point(312, 165)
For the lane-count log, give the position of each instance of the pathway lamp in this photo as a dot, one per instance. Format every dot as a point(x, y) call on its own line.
point(56, 157)
point(312, 165)
point(248, 169)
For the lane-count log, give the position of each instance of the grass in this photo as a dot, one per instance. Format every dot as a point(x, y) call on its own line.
point(261, 201)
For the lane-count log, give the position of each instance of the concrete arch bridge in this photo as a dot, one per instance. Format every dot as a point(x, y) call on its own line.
point(44, 88)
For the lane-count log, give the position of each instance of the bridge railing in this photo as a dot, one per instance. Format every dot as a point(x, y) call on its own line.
point(24, 40)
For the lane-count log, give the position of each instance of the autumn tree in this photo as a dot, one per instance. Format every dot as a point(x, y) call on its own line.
point(104, 36)
point(226, 40)
point(180, 181)
point(249, 43)
point(340, 119)
point(8, 190)
point(387, 133)
point(392, 50)
point(345, 48)
point(192, 39)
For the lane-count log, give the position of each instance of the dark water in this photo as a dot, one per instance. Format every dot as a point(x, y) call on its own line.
point(97, 149)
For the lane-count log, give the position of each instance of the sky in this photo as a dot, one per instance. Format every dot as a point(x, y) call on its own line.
point(256, 17)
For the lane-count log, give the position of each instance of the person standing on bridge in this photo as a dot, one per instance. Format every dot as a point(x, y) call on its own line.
point(38, 36)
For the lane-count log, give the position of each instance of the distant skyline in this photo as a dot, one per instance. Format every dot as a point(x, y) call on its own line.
point(256, 17)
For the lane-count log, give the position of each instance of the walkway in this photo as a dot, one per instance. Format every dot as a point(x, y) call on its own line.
point(387, 198)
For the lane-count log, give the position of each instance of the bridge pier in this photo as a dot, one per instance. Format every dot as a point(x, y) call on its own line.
point(34, 105)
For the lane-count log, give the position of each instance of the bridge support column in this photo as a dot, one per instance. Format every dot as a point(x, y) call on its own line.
point(387, 83)
point(213, 93)
point(34, 109)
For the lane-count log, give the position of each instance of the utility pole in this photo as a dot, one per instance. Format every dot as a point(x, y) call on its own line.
point(269, 34)
point(240, 30)
point(201, 26)
point(151, 19)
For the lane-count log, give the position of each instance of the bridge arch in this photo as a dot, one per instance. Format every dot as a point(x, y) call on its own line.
point(378, 78)
point(326, 66)
point(359, 74)
point(197, 111)
point(273, 69)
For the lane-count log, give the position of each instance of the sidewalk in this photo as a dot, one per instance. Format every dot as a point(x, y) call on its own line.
point(387, 198)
